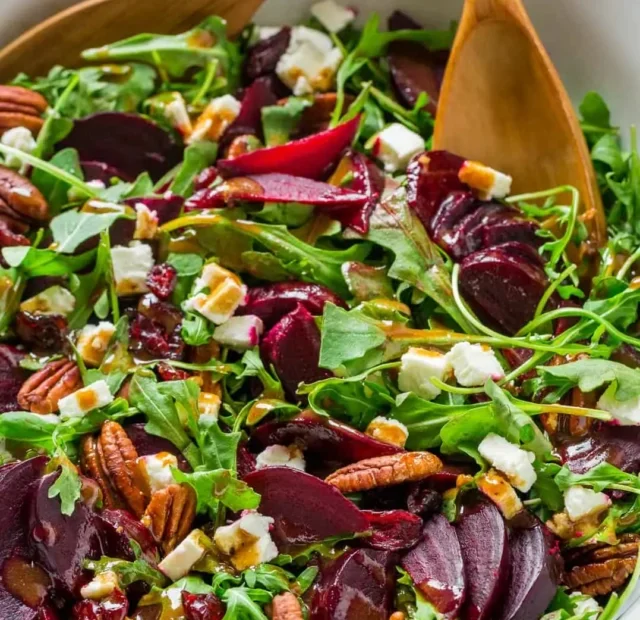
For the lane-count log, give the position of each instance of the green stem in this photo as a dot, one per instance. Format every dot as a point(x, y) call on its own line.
point(212, 67)
point(628, 264)
point(542, 304)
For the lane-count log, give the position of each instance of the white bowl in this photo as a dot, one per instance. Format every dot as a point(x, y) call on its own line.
point(593, 43)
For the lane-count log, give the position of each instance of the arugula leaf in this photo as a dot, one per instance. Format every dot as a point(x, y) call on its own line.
point(29, 428)
point(546, 488)
point(196, 158)
point(600, 477)
point(280, 121)
point(241, 604)
point(39, 262)
point(219, 449)
point(67, 486)
point(128, 572)
point(272, 578)
point(196, 330)
point(253, 367)
point(306, 578)
point(54, 189)
point(596, 118)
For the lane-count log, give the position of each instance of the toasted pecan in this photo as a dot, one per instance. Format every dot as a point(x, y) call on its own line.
point(23, 96)
point(91, 464)
point(20, 198)
point(384, 471)
point(41, 392)
point(600, 578)
point(21, 107)
point(170, 514)
point(286, 606)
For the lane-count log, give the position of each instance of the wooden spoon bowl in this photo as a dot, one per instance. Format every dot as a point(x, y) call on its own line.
point(61, 38)
point(502, 103)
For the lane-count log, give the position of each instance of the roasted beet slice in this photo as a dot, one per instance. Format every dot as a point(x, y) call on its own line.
point(483, 541)
point(309, 157)
point(502, 286)
point(25, 580)
point(263, 57)
point(392, 530)
point(292, 346)
point(11, 377)
point(118, 528)
point(534, 575)
point(437, 568)
point(512, 229)
point(273, 301)
point(128, 142)
point(202, 606)
point(451, 211)
point(99, 171)
point(356, 586)
point(305, 508)
point(146, 444)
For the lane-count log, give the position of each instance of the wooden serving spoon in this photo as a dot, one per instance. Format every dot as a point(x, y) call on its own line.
point(502, 103)
point(61, 38)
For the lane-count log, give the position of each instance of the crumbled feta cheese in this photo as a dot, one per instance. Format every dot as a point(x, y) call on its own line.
point(176, 113)
point(310, 62)
point(510, 459)
point(239, 332)
point(208, 406)
point(624, 411)
point(281, 456)
point(215, 119)
point(86, 399)
point(474, 364)
point(156, 470)
point(247, 541)
point(388, 430)
point(146, 222)
point(131, 266)
point(395, 145)
point(53, 300)
point(179, 562)
point(331, 15)
point(101, 586)
point(19, 138)
point(583, 605)
point(92, 342)
point(417, 368)
point(488, 182)
point(581, 502)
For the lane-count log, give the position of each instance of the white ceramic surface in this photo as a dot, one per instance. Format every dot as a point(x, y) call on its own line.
point(595, 45)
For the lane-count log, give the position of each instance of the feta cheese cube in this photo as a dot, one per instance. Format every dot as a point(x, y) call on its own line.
point(53, 300)
point(510, 459)
point(247, 541)
point(226, 293)
point(177, 115)
point(92, 342)
point(416, 369)
point(239, 332)
point(474, 364)
point(581, 502)
point(388, 430)
point(146, 222)
point(19, 138)
point(331, 15)
point(208, 407)
point(131, 266)
point(281, 456)
point(212, 276)
point(583, 605)
point(155, 470)
point(627, 412)
point(86, 399)
point(215, 119)
point(101, 586)
point(179, 562)
point(310, 62)
point(395, 146)
point(488, 182)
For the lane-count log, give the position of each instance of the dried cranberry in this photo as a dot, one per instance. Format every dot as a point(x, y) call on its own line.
point(205, 178)
point(44, 332)
point(115, 607)
point(169, 373)
point(263, 57)
point(149, 337)
point(11, 377)
point(162, 280)
point(423, 501)
point(202, 606)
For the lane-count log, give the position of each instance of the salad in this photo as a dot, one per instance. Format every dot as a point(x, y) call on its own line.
point(267, 354)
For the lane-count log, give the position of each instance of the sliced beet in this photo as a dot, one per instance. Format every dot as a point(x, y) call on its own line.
point(309, 157)
point(392, 530)
point(356, 586)
point(263, 57)
point(245, 461)
point(11, 377)
point(273, 301)
point(323, 437)
point(128, 142)
point(292, 346)
point(118, 528)
point(277, 187)
point(305, 508)
point(482, 533)
point(146, 444)
point(502, 286)
point(534, 576)
point(99, 171)
point(437, 568)
point(15, 609)
point(512, 229)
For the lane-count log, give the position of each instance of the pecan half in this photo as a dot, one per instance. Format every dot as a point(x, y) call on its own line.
point(21, 107)
point(110, 459)
point(170, 514)
point(41, 392)
point(20, 199)
point(384, 471)
point(285, 606)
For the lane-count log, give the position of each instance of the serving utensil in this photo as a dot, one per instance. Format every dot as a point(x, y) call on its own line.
point(61, 38)
point(503, 103)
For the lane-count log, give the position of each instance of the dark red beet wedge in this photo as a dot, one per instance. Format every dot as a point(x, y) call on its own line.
point(263, 57)
point(11, 377)
point(292, 346)
point(128, 142)
point(114, 607)
point(392, 530)
point(99, 171)
point(502, 286)
point(357, 586)
point(202, 606)
point(534, 575)
point(483, 541)
point(305, 508)
point(273, 301)
point(309, 157)
point(512, 229)
point(437, 568)
point(449, 213)
point(118, 528)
